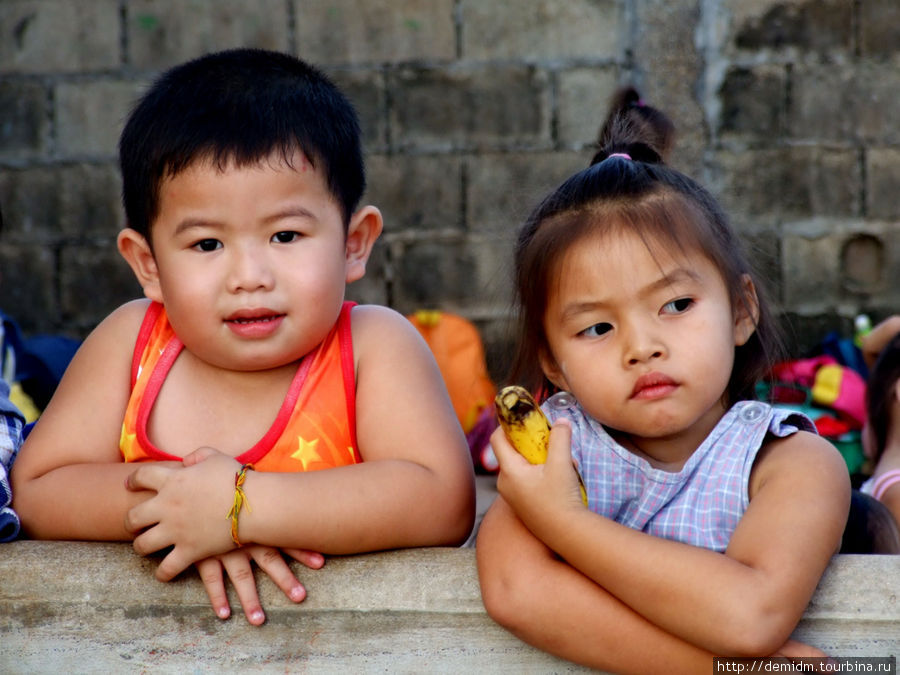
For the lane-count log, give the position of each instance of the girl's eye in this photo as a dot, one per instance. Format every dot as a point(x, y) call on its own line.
point(677, 306)
point(207, 245)
point(597, 329)
point(285, 237)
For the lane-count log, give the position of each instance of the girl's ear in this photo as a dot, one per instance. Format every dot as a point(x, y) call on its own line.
point(552, 371)
point(139, 256)
point(746, 314)
point(364, 228)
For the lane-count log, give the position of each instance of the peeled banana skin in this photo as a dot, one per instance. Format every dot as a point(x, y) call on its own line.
point(526, 426)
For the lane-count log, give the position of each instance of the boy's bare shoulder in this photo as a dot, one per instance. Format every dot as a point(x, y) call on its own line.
point(376, 322)
point(123, 323)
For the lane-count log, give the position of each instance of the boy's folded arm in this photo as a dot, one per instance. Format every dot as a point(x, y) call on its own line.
point(69, 479)
point(748, 600)
point(415, 486)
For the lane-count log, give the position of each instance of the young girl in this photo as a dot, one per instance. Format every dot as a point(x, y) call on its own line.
point(712, 516)
point(881, 435)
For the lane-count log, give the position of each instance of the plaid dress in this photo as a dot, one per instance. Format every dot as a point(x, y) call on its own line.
point(702, 503)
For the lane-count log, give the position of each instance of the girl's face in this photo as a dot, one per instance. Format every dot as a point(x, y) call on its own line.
point(644, 339)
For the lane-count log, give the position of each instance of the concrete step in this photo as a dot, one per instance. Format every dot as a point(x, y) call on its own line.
point(94, 607)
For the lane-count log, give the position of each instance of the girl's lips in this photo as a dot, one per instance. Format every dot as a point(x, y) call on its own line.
point(652, 386)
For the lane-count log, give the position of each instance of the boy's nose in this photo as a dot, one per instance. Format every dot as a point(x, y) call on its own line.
point(249, 272)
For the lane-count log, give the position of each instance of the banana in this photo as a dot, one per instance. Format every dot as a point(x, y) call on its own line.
point(526, 426)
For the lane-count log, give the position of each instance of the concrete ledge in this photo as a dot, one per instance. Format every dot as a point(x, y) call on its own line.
point(86, 607)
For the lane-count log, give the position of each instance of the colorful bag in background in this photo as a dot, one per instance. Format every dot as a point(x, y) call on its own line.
point(459, 352)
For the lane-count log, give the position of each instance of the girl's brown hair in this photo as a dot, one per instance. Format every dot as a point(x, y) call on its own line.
point(629, 187)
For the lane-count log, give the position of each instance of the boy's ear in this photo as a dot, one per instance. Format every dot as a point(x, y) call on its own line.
point(746, 314)
point(364, 228)
point(137, 253)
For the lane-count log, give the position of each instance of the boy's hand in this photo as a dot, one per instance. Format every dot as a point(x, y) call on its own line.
point(189, 511)
point(237, 564)
point(536, 492)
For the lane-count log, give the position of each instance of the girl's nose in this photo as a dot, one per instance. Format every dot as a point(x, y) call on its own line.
point(643, 343)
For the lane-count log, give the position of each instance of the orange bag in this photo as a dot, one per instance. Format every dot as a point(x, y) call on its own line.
point(459, 352)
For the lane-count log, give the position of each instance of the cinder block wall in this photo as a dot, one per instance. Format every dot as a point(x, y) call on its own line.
point(787, 110)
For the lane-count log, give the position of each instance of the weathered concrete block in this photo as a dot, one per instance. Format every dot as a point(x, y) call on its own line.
point(753, 104)
point(834, 264)
point(788, 182)
point(28, 286)
point(24, 127)
point(90, 116)
point(440, 109)
point(366, 91)
point(819, 26)
point(32, 204)
point(846, 105)
point(882, 179)
point(542, 29)
point(464, 275)
point(583, 96)
point(357, 31)
point(92, 202)
point(502, 189)
point(163, 33)
point(67, 606)
point(96, 272)
point(416, 194)
point(42, 37)
point(879, 29)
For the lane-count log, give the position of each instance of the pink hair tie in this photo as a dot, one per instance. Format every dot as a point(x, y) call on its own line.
point(619, 154)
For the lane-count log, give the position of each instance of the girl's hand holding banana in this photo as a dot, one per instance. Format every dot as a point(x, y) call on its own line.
point(525, 429)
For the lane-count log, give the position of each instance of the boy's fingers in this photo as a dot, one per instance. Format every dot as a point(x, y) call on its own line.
point(272, 563)
point(311, 559)
point(172, 565)
point(147, 477)
point(237, 565)
point(210, 571)
point(199, 455)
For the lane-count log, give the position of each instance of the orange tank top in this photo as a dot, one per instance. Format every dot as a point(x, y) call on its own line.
point(314, 429)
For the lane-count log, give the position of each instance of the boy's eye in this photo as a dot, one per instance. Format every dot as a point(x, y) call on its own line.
point(285, 237)
point(207, 245)
point(597, 329)
point(677, 306)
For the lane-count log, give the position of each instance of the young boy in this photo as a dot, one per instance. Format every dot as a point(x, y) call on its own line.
point(244, 372)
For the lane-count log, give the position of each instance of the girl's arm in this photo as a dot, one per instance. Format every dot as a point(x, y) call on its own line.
point(69, 479)
point(415, 487)
point(745, 602)
point(549, 604)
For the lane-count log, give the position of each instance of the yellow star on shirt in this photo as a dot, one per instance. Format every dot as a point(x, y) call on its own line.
point(126, 443)
point(306, 451)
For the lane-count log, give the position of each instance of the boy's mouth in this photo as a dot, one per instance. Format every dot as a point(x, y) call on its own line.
point(255, 323)
point(253, 316)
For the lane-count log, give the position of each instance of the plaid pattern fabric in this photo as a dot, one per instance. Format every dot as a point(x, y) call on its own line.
point(10, 439)
point(699, 505)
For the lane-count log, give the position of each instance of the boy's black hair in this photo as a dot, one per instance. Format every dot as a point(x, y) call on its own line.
point(239, 106)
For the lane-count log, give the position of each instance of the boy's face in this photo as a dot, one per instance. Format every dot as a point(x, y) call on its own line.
point(251, 262)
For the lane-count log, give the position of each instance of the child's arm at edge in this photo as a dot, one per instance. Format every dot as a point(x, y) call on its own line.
point(745, 602)
point(69, 478)
point(415, 486)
